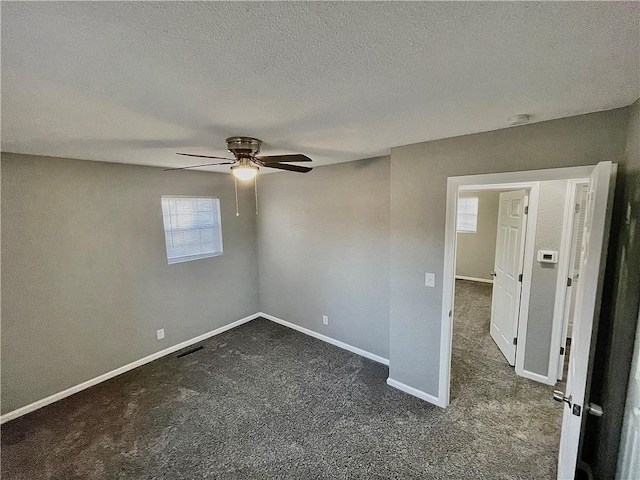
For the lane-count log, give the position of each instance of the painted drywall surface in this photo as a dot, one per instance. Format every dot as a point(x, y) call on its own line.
point(400, 72)
point(85, 279)
point(476, 252)
point(544, 276)
point(324, 250)
point(418, 203)
point(621, 298)
point(627, 453)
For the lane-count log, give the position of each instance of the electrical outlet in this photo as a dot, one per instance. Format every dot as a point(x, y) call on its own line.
point(325, 319)
point(429, 279)
point(160, 334)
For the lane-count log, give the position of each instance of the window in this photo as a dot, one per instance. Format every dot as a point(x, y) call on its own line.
point(192, 228)
point(467, 214)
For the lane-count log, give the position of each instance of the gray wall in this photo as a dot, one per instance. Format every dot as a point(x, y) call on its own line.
point(544, 276)
point(418, 196)
point(621, 299)
point(84, 260)
point(85, 280)
point(475, 256)
point(324, 250)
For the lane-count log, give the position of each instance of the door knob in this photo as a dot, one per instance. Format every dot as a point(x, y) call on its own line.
point(595, 410)
point(558, 396)
point(493, 274)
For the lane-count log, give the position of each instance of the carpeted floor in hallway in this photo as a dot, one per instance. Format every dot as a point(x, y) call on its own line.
point(265, 402)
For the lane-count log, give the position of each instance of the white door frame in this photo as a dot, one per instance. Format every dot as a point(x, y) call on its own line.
point(454, 185)
point(564, 263)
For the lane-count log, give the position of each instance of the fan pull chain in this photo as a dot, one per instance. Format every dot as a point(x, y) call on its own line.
point(235, 183)
point(255, 189)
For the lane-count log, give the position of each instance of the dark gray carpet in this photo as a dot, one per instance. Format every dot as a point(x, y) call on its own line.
point(263, 402)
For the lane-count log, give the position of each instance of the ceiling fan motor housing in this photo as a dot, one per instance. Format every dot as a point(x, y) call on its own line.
point(243, 146)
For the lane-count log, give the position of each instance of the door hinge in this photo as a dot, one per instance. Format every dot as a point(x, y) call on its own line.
point(520, 278)
point(450, 313)
point(577, 209)
point(561, 350)
point(515, 340)
point(526, 209)
point(569, 282)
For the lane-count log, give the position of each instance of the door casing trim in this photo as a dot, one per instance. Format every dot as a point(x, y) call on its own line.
point(492, 181)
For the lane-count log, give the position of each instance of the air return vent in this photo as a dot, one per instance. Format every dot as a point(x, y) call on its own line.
point(189, 352)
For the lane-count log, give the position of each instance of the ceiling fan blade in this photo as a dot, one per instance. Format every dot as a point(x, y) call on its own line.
point(203, 156)
point(298, 157)
point(291, 168)
point(196, 166)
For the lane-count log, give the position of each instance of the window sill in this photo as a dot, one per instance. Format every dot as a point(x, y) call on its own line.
point(189, 258)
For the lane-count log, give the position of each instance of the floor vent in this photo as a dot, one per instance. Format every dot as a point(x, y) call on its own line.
point(189, 352)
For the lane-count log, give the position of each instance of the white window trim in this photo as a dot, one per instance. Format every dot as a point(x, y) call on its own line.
point(188, 258)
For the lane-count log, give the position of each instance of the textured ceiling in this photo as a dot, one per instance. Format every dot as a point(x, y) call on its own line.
point(136, 82)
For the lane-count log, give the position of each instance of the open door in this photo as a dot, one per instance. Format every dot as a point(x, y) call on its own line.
point(507, 284)
point(587, 309)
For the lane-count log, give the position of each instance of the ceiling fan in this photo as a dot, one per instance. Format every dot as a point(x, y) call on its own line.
point(245, 150)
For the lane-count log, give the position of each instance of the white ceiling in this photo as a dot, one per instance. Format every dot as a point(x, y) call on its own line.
point(136, 82)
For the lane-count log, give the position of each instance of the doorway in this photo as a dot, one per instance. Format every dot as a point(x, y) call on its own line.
point(523, 239)
point(601, 179)
point(492, 225)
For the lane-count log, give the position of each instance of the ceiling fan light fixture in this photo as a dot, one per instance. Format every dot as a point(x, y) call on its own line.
point(244, 172)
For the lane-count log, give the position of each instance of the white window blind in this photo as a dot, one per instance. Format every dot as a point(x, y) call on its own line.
point(192, 227)
point(467, 214)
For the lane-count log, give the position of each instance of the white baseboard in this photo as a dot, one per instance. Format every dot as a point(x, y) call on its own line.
point(125, 368)
point(150, 358)
point(324, 338)
point(474, 279)
point(415, 392)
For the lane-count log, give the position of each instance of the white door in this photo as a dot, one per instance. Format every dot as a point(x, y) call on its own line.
point(629, 455)
point(507, 284)
point(588, 295)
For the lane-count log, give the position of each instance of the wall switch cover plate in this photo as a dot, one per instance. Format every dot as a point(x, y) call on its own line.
point(429, 279)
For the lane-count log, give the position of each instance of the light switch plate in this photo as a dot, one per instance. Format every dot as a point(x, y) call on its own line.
point(429, 279)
